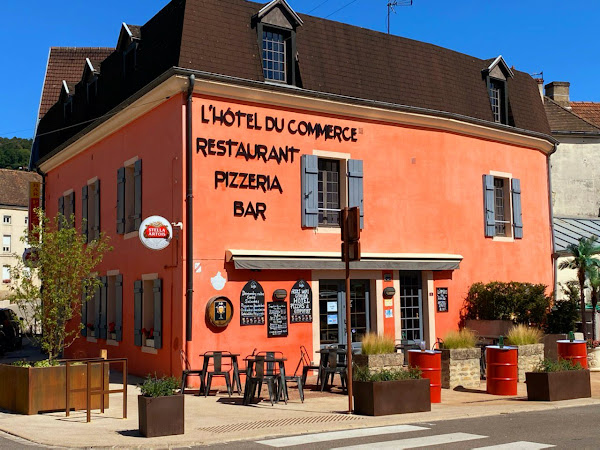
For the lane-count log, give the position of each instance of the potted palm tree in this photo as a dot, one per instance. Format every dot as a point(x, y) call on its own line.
point(160, 407)
point(582, 261)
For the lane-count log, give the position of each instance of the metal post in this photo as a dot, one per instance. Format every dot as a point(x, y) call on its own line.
point(88, 391)
point(348, 329)
point(125, 389)
point(68, 385)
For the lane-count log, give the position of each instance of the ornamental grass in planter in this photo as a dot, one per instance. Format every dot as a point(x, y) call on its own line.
point(389, 391)
point(530, 350)
point(558, 380)
point(460, 360)
point(378, 353)
point(160, 407)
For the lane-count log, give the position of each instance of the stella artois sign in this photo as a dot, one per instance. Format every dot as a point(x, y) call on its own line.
point(156, 233)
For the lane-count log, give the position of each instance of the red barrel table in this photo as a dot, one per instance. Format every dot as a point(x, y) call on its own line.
point(430, 363)
point(502, 373)
point(575, 351)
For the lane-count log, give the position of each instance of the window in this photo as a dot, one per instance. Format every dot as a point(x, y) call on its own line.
point(325, 190)
point(502, 198)
point(66, 207)
point(497, 100)
point(147, 312)
point(90, 209)
point(329, 192)
point(6, 274)
point(129, 197)
point(6, 243)
point(274, 56)
point(92, 321)
point(6, 220)
point(26, 220)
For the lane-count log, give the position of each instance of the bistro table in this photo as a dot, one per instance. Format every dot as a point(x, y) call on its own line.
point(234, 363)
point(250, 360)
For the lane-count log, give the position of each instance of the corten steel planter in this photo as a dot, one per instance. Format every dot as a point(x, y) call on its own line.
point(489, 327)
point(30, 390)
point(380, 398)
point(376, 363)
point(161, 416)
point(554, 386)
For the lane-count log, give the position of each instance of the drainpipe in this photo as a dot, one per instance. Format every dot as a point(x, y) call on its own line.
point(554, 257)
point(189, 215)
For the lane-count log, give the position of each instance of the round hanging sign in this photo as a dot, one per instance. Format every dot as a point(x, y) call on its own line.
point(219, 311)
point(155, 233)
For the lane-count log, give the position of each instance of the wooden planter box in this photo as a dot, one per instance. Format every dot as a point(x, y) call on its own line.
point(529, 357)
point(461, 367)
point(161, 416)
point(554, 386)
point(30, 390)
point(391, 397)
point(376, 363)
point(489, 327)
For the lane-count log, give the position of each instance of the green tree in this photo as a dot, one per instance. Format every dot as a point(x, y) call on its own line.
point(564, 314)
point(65, 264)
point(594, 278)
point(583, 260)
point(14, 152)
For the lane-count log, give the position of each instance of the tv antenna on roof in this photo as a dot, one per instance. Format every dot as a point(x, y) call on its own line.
point(391, 5)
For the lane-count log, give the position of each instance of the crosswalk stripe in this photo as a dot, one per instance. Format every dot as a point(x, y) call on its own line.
point(335, 435)
point(519, 445)
point(416, 442)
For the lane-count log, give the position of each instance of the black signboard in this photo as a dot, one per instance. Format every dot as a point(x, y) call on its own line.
point(442, 299)
point(301, 303)
point(277, 319)
point(252, 304)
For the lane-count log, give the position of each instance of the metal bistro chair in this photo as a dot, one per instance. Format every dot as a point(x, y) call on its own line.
point(217, 371)
point(334, 366)
point(307, 365)
point(261, 374)
point(187, 371)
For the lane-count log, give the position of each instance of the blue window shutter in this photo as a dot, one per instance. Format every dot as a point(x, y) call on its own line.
point(84, 306)
point(103, 306)
point(158, 302)
point(84, 212)
point(98, 306)
point(121, 201)
point(72, 202)
point(138, 291)
point(119, 307)
point(97, 210)
point(489, 211)
point(517, 216)
point(310, 186)
point(137, 177)
point(355, 187)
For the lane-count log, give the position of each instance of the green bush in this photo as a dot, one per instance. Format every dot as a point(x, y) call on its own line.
point(373, 344)
point(159, 387)
point(549, 365)
point(42, 363)
point(464, 338)
point(362, 373)
point(565, 313)
point(524, 335)
point(519, 302)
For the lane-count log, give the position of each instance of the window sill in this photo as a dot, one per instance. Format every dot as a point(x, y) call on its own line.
point(503, 239)
point(91, 339)
point(130, 235)
point(328, 230)
point(112, 342)
point(150, 350)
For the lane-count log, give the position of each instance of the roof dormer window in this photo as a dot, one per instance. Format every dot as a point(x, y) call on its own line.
point(276, 25)
point(496, 76)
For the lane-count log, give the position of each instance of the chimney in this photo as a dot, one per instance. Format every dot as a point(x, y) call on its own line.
point(540, 83)
point(559, 92)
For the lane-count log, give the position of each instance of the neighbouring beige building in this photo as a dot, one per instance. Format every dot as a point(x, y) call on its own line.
point(14, 201)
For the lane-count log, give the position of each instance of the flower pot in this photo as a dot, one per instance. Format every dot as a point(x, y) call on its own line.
point(461, 367)
point(112, 336)
point(379, 398)
point(554, 386)
point(149, 342)
point(594, 359)
point(161, 416)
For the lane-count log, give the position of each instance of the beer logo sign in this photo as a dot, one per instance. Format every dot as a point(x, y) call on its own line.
point(155, 233)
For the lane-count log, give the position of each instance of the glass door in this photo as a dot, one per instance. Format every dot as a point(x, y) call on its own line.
point(411, 306)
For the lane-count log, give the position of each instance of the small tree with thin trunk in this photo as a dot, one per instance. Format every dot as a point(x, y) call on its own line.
point(594, 277)
point(583, 260)
point(64, 262)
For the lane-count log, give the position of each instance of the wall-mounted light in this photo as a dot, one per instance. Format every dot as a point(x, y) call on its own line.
point(279, 294)
point(389, 292)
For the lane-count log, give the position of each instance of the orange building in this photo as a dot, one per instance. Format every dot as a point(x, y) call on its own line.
point(248, 127)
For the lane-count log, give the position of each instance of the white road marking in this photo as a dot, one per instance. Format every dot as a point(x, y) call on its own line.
point(335, 435)
point(519, 445)
point(417, 442)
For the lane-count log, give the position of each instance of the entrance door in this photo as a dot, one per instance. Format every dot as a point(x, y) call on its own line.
point(332, 311)
point(411, 306)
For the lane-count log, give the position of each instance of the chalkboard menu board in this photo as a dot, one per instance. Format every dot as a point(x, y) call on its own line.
point(301, 302)
point(252, 304)
point(277, 319)
point(442, 299)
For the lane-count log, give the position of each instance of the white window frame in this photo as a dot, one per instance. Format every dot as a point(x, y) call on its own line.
point(6, 274)
point(7, 220)
point(508, 206)
point(6, 243)
point(147, 312)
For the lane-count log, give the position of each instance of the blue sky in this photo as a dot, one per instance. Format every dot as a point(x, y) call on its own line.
point(559, 38)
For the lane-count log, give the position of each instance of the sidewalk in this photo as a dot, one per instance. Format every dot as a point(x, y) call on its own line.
point(218, 419)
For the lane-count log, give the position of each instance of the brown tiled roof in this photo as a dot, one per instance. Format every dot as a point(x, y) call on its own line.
point(66, 63)
point(14, 186)
point(564, 120)
point(135, 31)
point(590, 111)
point(347, 60)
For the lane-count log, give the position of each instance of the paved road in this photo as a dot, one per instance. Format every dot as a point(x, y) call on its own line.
point(567, 428)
